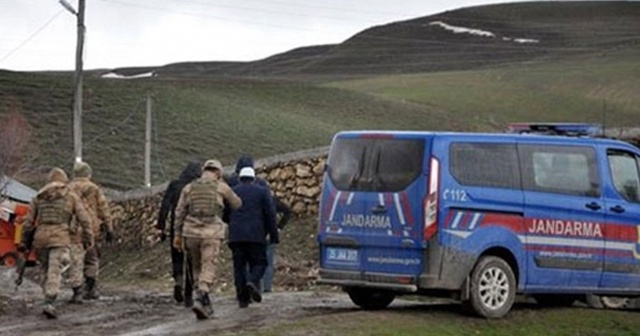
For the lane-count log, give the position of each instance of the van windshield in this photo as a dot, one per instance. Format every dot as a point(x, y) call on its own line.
point(378, 165)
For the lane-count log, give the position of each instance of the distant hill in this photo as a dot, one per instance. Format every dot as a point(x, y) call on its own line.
point(495, 34)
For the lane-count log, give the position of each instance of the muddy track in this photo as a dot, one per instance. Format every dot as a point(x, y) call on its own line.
point(132, 314)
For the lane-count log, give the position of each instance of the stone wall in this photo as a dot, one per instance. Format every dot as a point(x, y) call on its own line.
point(295, 178)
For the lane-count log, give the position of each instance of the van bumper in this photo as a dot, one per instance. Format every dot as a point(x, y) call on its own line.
point(399, 282)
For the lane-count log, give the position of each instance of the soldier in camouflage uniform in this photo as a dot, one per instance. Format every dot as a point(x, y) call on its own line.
point(199, 221)
point(97, 206)
point(50, 215)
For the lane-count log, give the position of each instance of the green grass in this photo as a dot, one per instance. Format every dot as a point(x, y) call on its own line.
point(447, 320)
point(576, 89)
point(221, 118)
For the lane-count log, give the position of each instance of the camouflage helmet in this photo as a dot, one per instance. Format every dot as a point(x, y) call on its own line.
point(58, 175)
point(212, 164)
point(81, 169)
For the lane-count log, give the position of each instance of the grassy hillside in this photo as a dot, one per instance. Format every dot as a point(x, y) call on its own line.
point(193, 119)
point(581, 88)
point(560, 29)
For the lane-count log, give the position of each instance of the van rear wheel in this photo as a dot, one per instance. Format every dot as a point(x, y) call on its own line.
point(370, 299)
point(493, 287)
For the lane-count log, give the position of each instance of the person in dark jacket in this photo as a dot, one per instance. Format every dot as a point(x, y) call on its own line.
point(168, 209)
point(248, 228)
point(284, 213)
point(282, 210)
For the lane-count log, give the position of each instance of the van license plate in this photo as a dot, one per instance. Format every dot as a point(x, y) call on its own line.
point(342, 255)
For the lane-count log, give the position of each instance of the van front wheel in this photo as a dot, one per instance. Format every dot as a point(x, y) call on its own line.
point(370, 299)
point(493, 287)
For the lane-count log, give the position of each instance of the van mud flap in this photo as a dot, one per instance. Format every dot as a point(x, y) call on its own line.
point(446, 268)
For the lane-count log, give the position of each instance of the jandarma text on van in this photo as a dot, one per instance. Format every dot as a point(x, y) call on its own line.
point(564, 228)
point(370, 221)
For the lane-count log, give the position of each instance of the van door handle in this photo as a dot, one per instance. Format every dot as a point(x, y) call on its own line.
point(617, 209)
point(593, 206)
point(379, 209)
point(407, 243)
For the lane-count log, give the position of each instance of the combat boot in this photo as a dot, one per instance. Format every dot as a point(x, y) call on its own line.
point(91, 292)
point(48, 309)
point(202, 307)
point(77, 296)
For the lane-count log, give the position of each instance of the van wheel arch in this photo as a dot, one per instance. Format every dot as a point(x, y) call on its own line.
point(506, 255)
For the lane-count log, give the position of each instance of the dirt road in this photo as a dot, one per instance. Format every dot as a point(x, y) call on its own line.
point(134, 313)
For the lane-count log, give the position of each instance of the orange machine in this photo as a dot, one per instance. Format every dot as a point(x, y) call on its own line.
point(11, 216)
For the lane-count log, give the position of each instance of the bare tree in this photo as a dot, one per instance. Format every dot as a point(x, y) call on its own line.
point(15, 134)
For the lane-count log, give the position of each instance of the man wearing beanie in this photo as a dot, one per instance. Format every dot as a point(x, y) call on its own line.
point(50, 214)
point(199, 221)
point(97, 207)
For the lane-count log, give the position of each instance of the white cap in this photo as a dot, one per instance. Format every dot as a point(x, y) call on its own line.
point(247, 172)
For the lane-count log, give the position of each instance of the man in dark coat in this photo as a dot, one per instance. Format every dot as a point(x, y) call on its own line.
point(282, 210)
point(248, 228)
point(168, 208)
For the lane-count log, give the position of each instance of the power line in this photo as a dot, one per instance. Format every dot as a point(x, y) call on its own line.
point(253, 9)
point(218, 18)
point(32, 36)
point(329, 8)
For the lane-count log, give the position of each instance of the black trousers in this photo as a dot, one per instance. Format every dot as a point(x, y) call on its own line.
point(178, 262)
point(249, 264)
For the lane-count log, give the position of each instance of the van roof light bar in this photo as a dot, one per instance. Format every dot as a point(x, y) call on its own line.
point(566, 129)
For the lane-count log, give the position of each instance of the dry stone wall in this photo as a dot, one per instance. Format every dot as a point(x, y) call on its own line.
point(295, 178)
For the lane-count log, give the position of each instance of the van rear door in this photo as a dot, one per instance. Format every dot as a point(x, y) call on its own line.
point(372, 212)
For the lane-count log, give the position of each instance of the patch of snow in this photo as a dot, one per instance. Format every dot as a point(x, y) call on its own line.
point(478, 32)
point(462, 30)
point(118, 76)
point(524, 40)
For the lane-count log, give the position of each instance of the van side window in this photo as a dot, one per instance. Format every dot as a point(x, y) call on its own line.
point(485, 164)
point(625, 174)
point(570, 170)
point(378, 164)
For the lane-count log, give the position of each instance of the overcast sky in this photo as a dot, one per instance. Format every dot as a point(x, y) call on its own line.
point(41, 35)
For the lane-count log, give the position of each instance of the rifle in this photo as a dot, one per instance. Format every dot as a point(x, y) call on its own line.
point(25, 249)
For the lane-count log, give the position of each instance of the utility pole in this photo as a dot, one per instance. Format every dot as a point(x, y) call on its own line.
point(77, 100)
point(147, 146)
